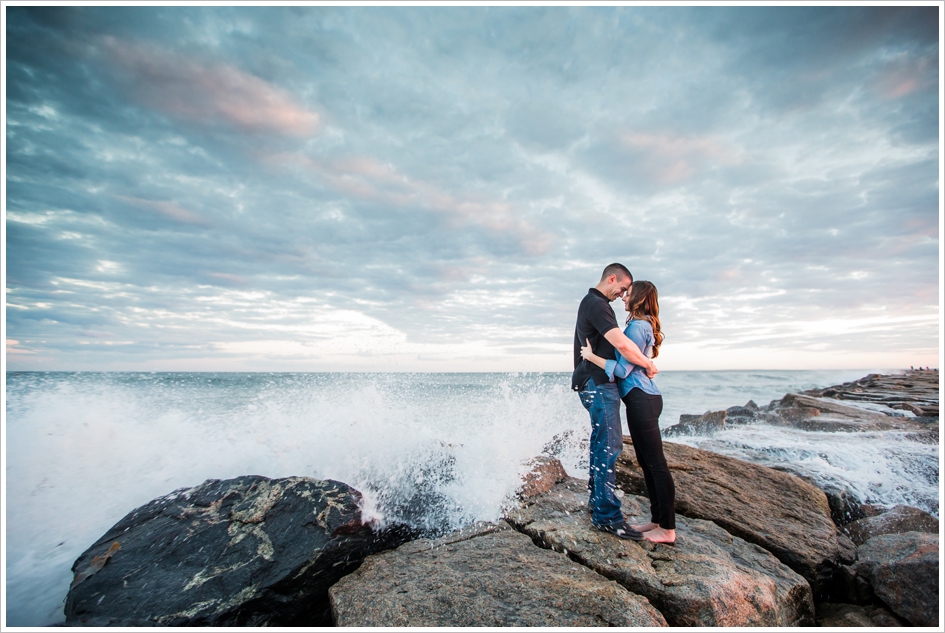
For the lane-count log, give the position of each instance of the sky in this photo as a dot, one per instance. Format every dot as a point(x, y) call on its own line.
point(395, 188)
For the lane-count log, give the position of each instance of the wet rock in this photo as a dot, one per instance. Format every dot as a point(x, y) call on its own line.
point(913, 391)
point(741, 415)
point(491, 576)
point(850, 587)
point(706, 424)
point(851, 615)
point(845, 506)
point(903, 572)
point(925, 436)
point(545, 472)
point(811, 413)
point(100, 623)
point(778, 511)
point(709, 578)
point(897, 520)
point(249, 551)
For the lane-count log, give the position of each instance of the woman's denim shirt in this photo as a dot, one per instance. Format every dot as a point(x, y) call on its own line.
point(627, 374)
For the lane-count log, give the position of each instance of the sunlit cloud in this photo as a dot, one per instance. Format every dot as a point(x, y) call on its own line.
point(183, 88)
point(365, 178)
point(165, 208)
point(674, 159)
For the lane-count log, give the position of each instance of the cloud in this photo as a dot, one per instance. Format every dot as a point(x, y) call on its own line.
point(165, 208)
point(367, 179)
point(671, 159)
point(185, 89)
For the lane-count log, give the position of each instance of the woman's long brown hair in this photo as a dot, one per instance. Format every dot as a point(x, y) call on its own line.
point(645, 305)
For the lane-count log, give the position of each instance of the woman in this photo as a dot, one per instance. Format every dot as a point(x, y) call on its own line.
point(644, 405)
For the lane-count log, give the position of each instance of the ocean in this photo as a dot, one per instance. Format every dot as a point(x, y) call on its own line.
point(437, 451)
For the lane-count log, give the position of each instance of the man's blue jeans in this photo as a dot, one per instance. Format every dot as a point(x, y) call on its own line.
point(603, 403)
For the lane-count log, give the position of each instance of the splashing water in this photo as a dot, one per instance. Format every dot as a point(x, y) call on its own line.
point(435, 451)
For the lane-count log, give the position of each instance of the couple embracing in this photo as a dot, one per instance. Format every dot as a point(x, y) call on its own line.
point(610, 366)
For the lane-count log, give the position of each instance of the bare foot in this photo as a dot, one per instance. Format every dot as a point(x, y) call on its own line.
point(645, 528)
point(659, 535)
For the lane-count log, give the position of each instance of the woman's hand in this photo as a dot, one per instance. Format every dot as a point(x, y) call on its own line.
point(588, 354)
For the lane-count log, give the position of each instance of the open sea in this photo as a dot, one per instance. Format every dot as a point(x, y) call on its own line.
point(434, 450)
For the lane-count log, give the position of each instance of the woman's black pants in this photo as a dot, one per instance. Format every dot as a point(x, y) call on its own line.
point(643, 418)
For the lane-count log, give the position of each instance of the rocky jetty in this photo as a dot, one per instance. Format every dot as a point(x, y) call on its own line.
point(755, 547)
point(878, 402)
point(250, 551)
point(915, 391)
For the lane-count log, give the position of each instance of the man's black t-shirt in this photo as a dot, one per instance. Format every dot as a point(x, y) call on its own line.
point(594, 319)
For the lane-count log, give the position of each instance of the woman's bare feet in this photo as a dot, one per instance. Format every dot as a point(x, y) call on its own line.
point(659, 535)
point(645, 528)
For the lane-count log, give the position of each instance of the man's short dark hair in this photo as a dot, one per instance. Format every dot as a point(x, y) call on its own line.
point(616, 269)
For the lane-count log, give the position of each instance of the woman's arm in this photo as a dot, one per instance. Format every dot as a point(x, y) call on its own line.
point(631, 351)
point(588, 354)
point(639, 333)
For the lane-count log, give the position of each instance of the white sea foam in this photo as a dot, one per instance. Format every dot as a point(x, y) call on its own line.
point(434, 450)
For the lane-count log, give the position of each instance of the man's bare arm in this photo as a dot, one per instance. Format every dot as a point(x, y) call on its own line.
point(630, 351)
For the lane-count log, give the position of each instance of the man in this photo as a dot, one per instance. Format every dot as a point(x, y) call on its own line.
point(597, 324)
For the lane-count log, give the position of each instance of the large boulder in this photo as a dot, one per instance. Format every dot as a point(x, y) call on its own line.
point(488, 575)
point(897, 520)
point(249, 551)
point(783, 514)
point(903, 572)
point(709, 578)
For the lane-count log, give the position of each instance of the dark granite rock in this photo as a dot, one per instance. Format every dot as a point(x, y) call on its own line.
point(845, 506)
point(852, 615)
point(903, 572)
point(783, 514)
point(741, 415)
point(850, 587)
point(489, 575)
point(101, 623)
point(709, 578)
point(897, 520)
point(250, 551)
